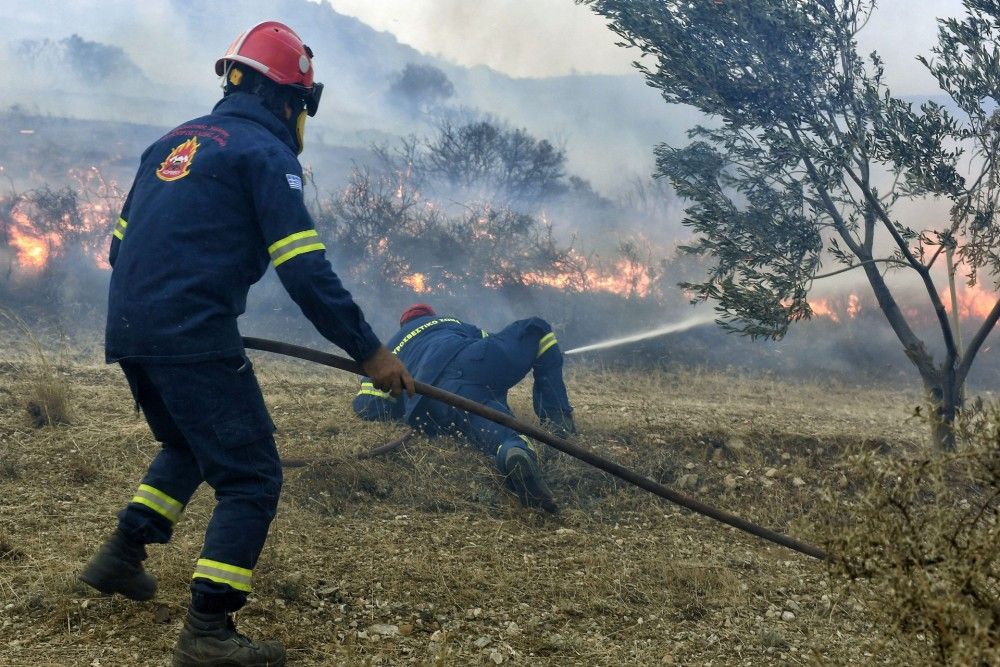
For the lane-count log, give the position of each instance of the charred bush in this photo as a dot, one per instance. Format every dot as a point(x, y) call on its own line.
point(420, 89)
point(480, 160)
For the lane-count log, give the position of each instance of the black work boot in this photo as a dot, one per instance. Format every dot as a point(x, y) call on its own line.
point(211, 640)
point(562, 426)
point(525, 479)
point(117, 568)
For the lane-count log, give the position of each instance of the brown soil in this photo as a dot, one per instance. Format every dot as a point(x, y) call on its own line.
point(422, 558)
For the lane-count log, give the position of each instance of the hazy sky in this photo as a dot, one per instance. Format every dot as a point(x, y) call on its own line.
point(552, 37)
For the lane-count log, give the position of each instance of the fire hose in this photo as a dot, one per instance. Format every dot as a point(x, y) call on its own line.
point(381, 450)
point(582, 453)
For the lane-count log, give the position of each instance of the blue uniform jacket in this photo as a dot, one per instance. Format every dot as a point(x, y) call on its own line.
point(214, 201)
point(426, 345)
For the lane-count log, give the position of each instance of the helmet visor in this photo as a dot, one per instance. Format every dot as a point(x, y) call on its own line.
point(312, 97)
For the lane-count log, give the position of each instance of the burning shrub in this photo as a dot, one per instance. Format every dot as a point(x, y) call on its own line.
point(382, 226)
point(924, 534)
point(55, 241)
point(390, 235)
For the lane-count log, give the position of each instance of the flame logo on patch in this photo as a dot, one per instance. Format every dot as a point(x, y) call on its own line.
point(177, 165)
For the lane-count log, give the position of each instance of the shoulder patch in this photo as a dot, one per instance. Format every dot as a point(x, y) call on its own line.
point(177, 164)
point(294, 182)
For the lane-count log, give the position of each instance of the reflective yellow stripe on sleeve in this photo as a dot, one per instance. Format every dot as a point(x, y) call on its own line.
point(159, 502)
point(119, 232)
point(223, 573)
point(547, 341)
point(294, 245)
point(368, 389)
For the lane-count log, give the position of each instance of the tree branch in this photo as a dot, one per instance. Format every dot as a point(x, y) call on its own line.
point(922, 271)
point(887, 260)
point(977, 342)
point(897, 320)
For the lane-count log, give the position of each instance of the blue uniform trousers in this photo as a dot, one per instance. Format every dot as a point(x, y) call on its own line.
point(213, 426)
point(485, 370)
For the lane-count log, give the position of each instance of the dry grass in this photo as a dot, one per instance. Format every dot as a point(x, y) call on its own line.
point(47, 398)
point(421, 558)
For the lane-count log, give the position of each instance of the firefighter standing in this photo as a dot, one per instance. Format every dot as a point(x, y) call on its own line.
point(468, 361)
point(214, 201)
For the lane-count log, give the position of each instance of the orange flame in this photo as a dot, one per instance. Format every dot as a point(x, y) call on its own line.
point(627, 279)
point(973, 301)
point(417, 282)
point(33, 247)
point(823, 308)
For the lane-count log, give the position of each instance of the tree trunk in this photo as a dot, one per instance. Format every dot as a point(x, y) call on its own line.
point(945, 391)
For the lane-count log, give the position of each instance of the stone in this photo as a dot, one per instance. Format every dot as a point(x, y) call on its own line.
point(771, 472)
point(384, 629)
point(513, 629)
point(798, 481)
point(497, 657)
point(161, 614)
point(482, 642)
point(787, 616)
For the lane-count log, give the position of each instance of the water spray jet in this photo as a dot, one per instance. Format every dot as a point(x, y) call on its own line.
point(676, 327)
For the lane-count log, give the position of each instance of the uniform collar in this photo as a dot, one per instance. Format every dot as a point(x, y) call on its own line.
point(245, 105)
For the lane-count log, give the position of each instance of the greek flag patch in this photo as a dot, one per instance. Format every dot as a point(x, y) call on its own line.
point(294, 182)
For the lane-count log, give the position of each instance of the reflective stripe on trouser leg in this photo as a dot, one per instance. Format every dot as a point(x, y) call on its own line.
point(223, 573)
point(159, 502)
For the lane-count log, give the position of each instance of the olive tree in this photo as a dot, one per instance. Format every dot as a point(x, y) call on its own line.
point(808, 158)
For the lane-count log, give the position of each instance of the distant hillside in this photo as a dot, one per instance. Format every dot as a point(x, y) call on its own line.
point(609, 124)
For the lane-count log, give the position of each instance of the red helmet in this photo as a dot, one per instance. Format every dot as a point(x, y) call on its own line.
point(274, 50)
point(416, 310)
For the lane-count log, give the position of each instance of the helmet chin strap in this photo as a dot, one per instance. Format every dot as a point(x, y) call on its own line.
point(299, 131)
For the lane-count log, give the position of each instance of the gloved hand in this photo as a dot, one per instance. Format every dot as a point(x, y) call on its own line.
point(388, 373)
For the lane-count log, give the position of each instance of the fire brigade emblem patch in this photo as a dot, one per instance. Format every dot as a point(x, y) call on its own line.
point(177, 165)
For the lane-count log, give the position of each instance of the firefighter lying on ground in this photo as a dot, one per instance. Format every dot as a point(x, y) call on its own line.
point(466, 360)
point(214, 201)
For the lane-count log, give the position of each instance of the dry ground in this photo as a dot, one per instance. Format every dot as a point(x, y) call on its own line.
point(421, 558)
